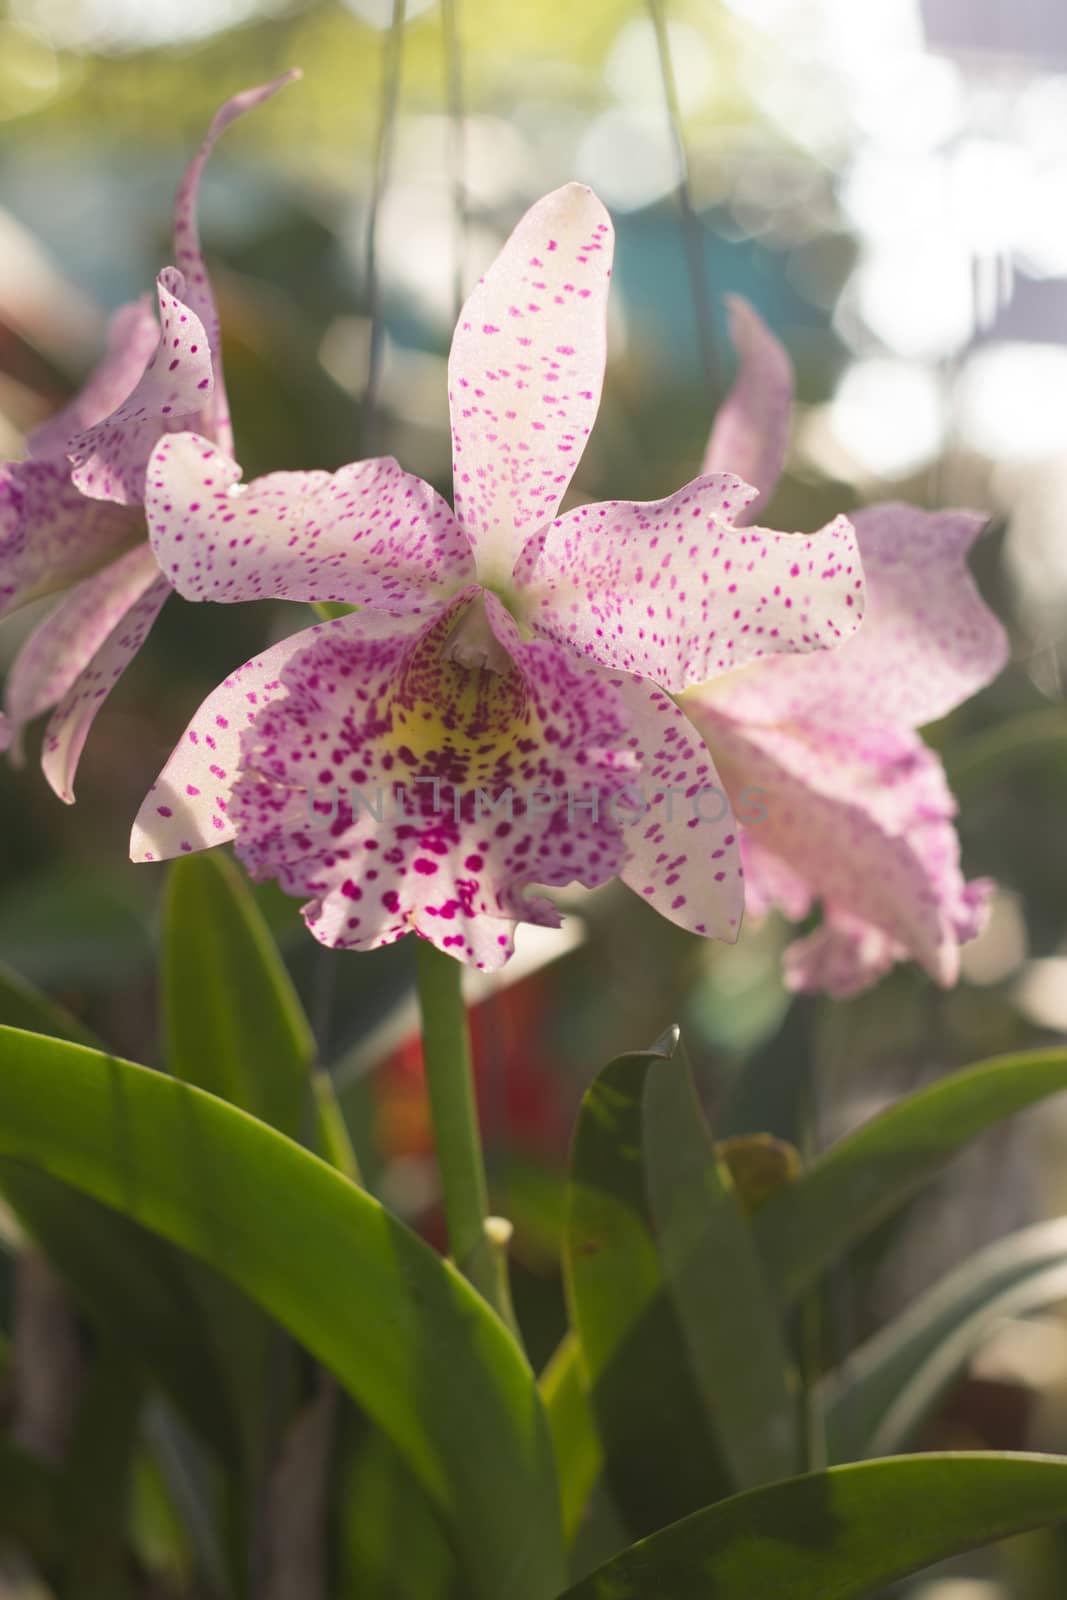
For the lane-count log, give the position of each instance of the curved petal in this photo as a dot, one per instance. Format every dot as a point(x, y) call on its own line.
point(750, 434)
point(133, 334)
point(846, 955)
point(68, 638)
point(525, 373)
point(673, 591)
point(50, 533)
point(189, 254)
point(110, 457)
point(928, 641)
point(770, 881)
point(680, 829)
point(369, 534)
point(864, 817)
point(404, 790)
point(68, 727)
point(187, 808)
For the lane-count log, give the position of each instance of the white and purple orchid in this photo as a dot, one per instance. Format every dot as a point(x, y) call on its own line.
point(499, 649)
point(70, 514)
point(858, 813)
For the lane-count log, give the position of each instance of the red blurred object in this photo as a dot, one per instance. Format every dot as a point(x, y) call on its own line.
point(523, 1103)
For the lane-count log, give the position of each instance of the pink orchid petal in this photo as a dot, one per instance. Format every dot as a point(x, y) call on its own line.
point(68, 727)
point(109, 459)
point(770, 881)
point(187, 808)
point(525, 374)
point(50, 534)
point(750, 434)
point(928, 641)
point(684, 857)
point(65, 642)
point(362, 713)
point(133, 334)
point(189, 254)
point(673, 591)
point(369, 534)
point(864, 817)
point(844, 956)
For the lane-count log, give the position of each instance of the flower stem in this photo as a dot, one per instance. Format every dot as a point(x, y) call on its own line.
point(478, 1242)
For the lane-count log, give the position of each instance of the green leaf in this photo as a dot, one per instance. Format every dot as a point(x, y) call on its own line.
point(233, 1025)
point(392, 1545)
point(233, 1022)
point(681, 1345)
point(404, 1333)
point(895, 1379)
point(838, 1535)
point(864, 1178)
point(729, 1318)
point(574, 1437)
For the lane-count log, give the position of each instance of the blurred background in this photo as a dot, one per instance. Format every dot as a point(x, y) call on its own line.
point(887, 183)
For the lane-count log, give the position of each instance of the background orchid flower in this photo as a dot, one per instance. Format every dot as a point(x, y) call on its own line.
point(858, 812)
point(502, 645)
point(71, 513)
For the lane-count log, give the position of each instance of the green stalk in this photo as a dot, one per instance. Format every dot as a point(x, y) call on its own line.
point(478, 1241)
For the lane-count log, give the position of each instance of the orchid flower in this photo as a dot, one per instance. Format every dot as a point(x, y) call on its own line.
point(71, 514)
point(500, 649)
point(858, 814)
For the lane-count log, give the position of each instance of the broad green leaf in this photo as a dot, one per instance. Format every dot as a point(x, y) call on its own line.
point(406, 1335)
point(233, 1022)
point(29, 1504)
point(573, 1427)
point(681, 1345)
point(391, 1543)
point(864, 1178)
point(728, 1316)
point(838, 1535)
point(660, 1452)
point(893, 1380)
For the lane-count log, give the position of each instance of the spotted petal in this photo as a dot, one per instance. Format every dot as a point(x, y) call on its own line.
point(401, 789)
point(187, 807)
point(680, 830)
point(751, 431)
point(928, 641)
point(675, 591)
point(133, 334)
point(109, 458)
point(369, 534)
point(141, 602)
point(50, 534)
point(189, 254)
point(65, 642)
point(525, 374)
point(864, 818)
